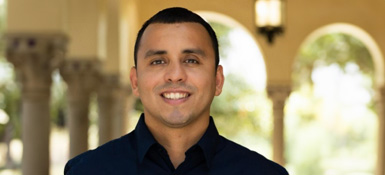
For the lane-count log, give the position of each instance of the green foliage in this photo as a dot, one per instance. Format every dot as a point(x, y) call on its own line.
point(10, 99)
point(329, 49)
point(232, 107)
point(58, 101)
point(222, 33)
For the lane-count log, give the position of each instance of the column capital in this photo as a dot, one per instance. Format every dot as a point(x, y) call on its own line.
point(40, 47)
point(109, 85)
point(35, 56)
point(278, 92)
point(81, 75)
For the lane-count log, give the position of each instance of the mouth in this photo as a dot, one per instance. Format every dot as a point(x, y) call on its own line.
point(175, 95)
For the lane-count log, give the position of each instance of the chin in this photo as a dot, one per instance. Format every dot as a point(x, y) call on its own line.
point(172, 123)
point(177, 121)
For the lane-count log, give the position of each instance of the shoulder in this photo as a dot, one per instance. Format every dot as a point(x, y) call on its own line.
point(103, 157)
point(250, 162)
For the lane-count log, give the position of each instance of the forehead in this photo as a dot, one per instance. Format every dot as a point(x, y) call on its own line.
point(159, 33)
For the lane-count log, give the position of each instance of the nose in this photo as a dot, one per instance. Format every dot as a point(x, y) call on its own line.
point(175, 73)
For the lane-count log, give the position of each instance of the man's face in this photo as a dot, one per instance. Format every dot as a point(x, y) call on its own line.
point(175, 76)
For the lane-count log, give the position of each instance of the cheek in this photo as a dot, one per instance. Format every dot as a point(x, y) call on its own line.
point(147, 82)
point(144, 85)
point(203, 82)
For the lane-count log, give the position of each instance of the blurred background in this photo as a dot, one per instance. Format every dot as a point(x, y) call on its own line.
point(304, 80)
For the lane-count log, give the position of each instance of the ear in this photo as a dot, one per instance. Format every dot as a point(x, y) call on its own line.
point(219, 80)
point(134, 81)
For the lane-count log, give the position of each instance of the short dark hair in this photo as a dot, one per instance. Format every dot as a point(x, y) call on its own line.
point(177, 15)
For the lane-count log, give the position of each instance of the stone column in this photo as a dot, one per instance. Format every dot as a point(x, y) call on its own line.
point(380, 99)
point(34, 57)
point(81, 76)
point(124, 104)
point(107, 95)
point(278, 95)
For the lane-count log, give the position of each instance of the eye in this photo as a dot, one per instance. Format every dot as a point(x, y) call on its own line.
point(156, 62)
point(192, 61)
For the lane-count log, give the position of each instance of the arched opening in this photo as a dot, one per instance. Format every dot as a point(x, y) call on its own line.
point(331, 119)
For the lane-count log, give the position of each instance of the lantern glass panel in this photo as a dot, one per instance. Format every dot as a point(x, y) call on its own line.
point(268, 13)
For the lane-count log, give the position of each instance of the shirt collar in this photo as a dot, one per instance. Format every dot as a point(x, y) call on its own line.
point(209, 142)
point(144, 138)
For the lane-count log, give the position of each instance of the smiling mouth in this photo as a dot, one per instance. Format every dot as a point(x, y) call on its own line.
point(175, 95)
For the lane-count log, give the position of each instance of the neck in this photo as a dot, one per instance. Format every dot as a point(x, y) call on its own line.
point(178, 140)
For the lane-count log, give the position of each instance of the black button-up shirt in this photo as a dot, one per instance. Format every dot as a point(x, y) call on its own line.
point(138, 153)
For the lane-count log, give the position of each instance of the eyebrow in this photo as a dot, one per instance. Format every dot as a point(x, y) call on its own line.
point(194, 51)
point(186, 51)
point(155, 52)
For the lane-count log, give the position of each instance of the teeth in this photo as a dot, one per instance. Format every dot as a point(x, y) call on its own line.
point(175, 96)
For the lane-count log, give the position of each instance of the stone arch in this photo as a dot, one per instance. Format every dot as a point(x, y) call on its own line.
point(224, 19)
point(361, 35)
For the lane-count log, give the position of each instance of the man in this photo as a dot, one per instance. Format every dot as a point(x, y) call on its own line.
point(176, 76)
